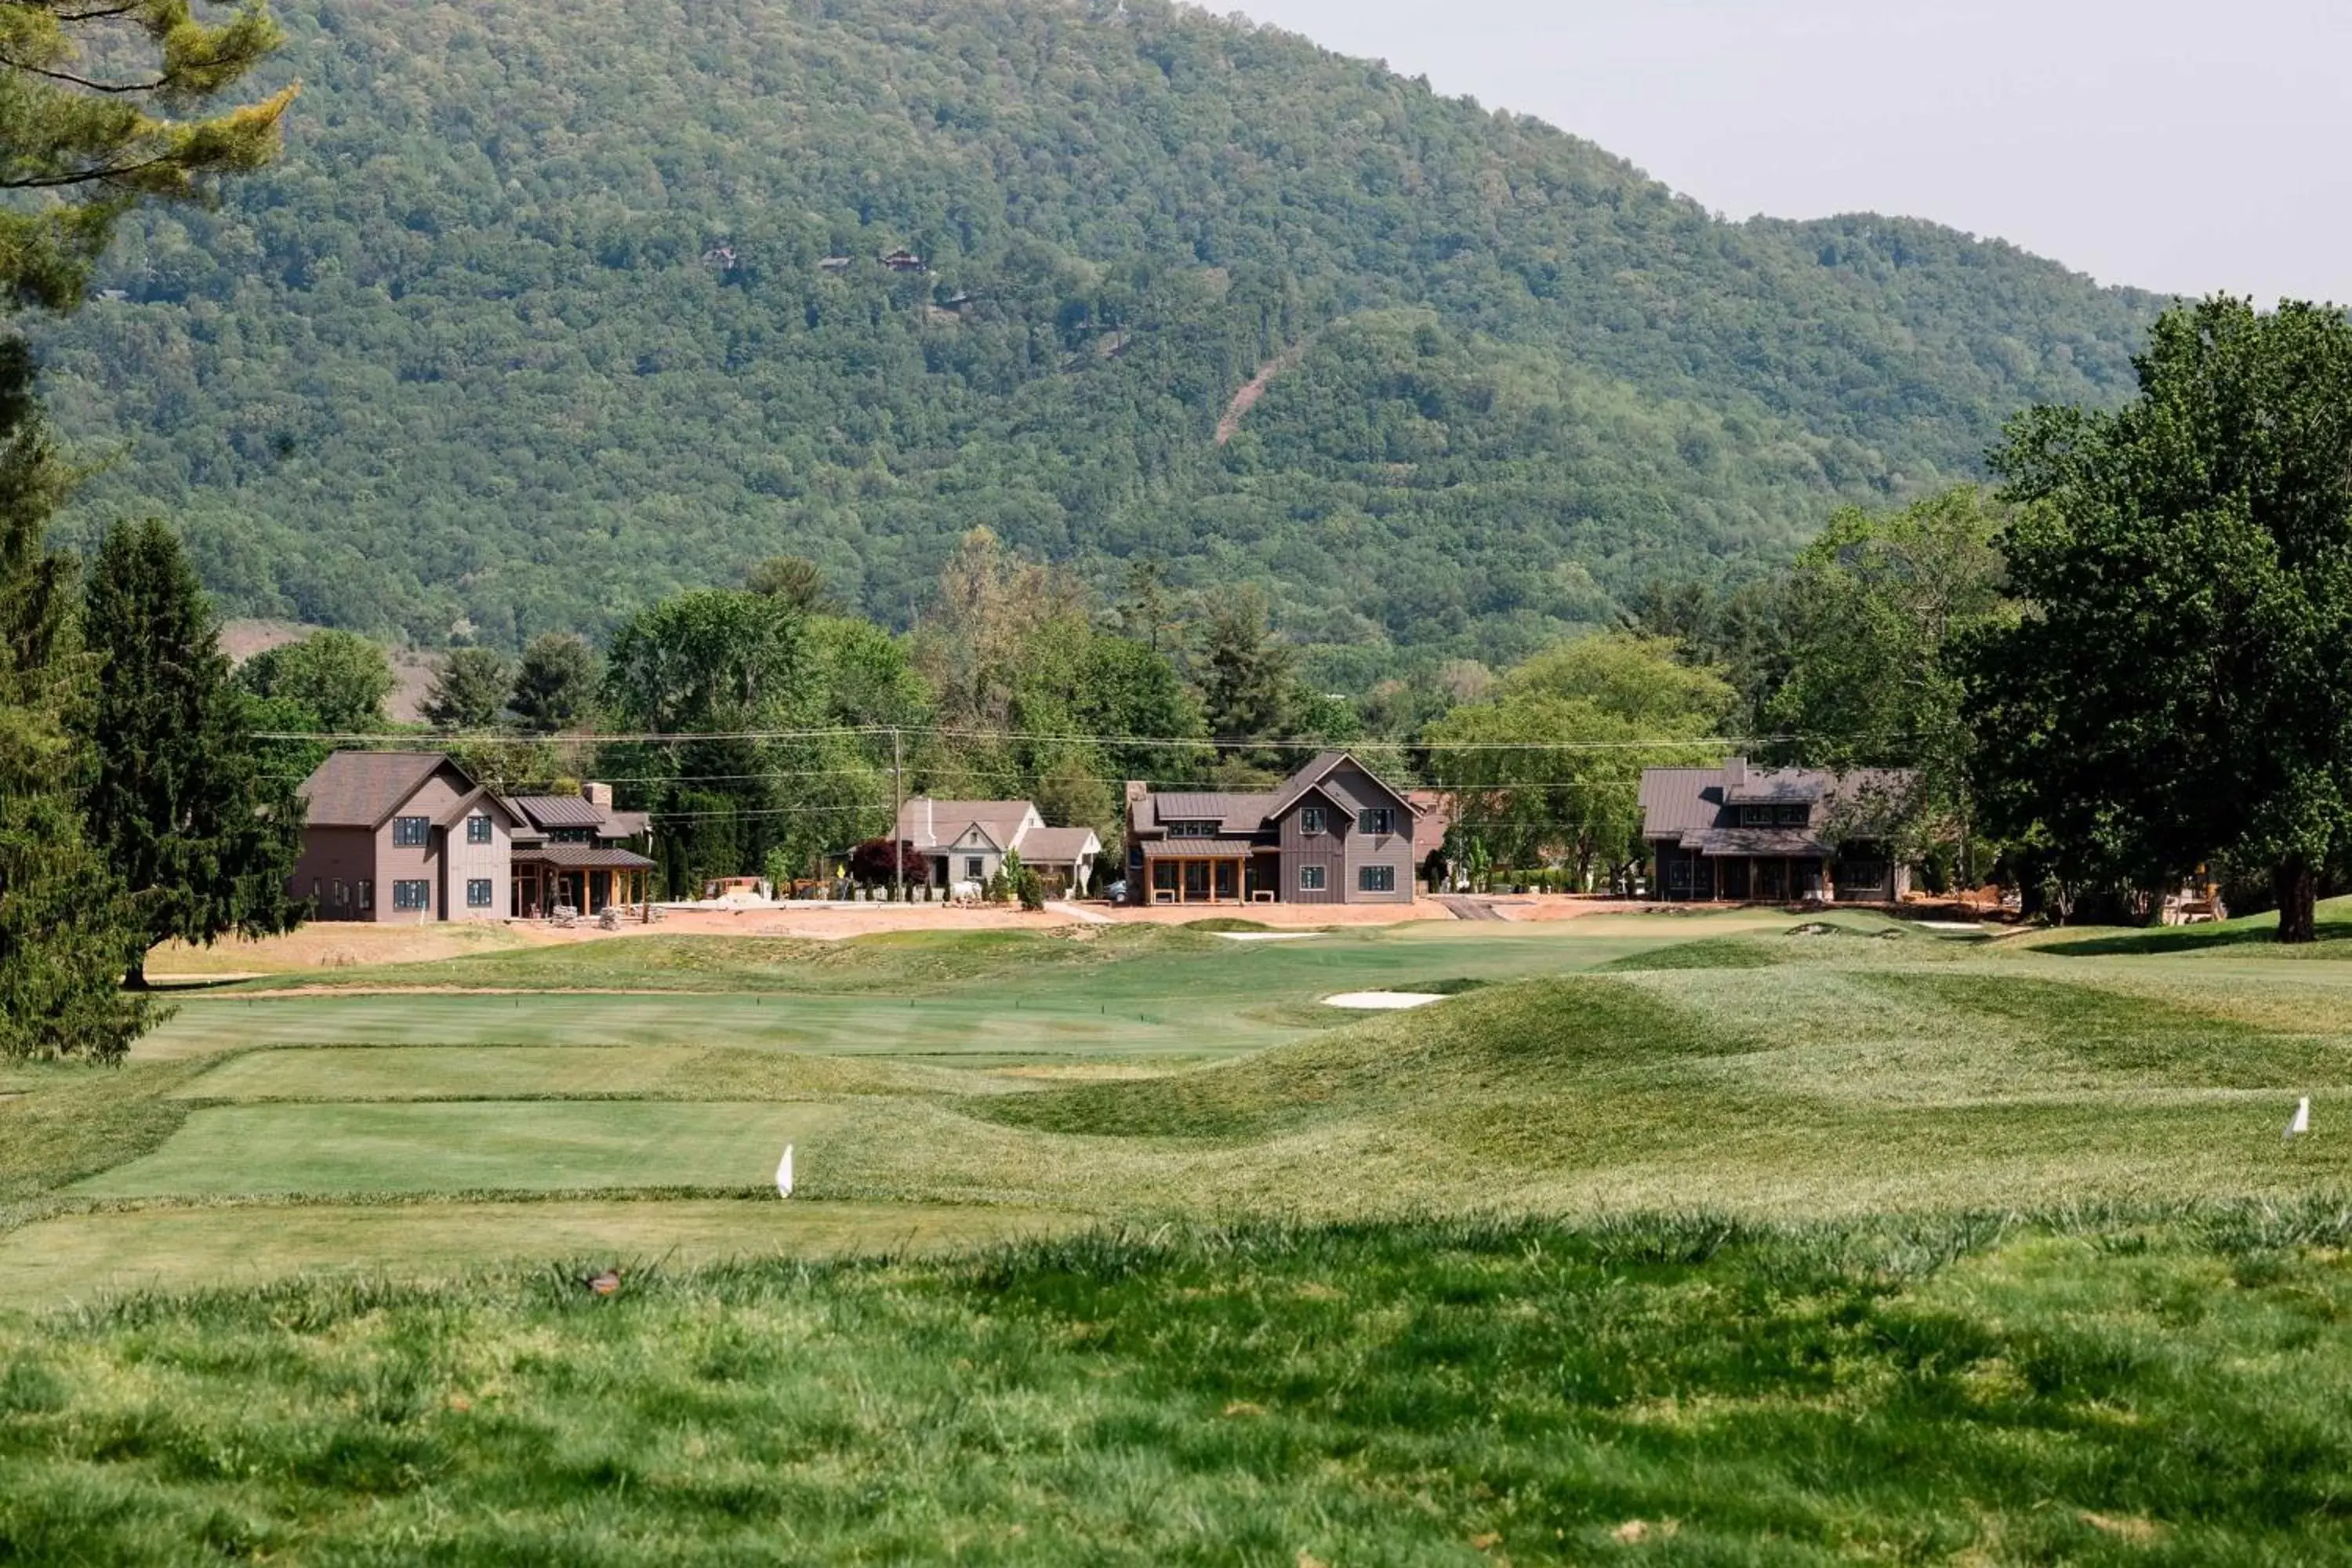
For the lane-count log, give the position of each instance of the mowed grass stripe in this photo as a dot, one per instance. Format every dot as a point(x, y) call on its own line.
point(85, 1257)
point(551, 1146)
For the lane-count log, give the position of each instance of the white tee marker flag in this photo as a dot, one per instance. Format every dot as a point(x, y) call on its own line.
point(784, 1174)
point(2302, 1122)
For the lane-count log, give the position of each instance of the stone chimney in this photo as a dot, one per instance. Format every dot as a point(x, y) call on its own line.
point(599, 795)
point(1138, 792)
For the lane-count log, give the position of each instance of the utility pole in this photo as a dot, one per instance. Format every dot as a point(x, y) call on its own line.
point(897, 810)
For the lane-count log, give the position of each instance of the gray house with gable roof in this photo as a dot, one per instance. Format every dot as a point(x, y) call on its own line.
point(1332, 833)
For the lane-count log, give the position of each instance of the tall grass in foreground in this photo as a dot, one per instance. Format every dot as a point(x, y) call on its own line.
point(2098, 1386)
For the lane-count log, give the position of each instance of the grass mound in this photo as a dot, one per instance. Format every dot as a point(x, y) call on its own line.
point(909, 961)
point(1506, 1044)
point(1973, 1389)
point(1226, 925)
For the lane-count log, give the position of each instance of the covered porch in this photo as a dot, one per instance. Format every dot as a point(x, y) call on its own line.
point(583, 879)
point(1208, 871)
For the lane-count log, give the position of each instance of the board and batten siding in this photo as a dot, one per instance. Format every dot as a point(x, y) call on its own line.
point(1328, 849)
point(464, 862)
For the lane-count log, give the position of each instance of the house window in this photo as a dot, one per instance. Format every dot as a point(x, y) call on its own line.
point(1796, 816)
point(477, 829)
point(477, 893)
point(412, 894)
point(367, 894)
point(343, 893)
point(1310, 879)
point(314, 889)
point(411, 832)
point(1380, 819)
point(1376, 878)
point(1755, 816)
point(1310, 821)
point(974, 869)
point(1191, 830)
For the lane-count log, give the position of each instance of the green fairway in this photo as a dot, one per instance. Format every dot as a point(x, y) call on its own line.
point(483, 1146)
point(1835, 1355)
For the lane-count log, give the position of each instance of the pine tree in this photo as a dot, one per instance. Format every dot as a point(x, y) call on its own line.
point(1246, 680)
point(81, 137)
point(66, 931)
point(470, 690)
point(183, 801)
point(79, 134)
point(556, 686)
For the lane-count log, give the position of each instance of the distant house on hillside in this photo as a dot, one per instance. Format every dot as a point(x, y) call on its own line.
point(571, 852)
point(403, 837)
point(1737, 834)
point(967, 840)
point(410, 837)
point(905, 261)
point(1332, 833)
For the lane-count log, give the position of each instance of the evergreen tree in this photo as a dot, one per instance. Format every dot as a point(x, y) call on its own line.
point(796, 580)
point(66, 932)
point(79, 132)
point(183, 801)
point(1246, 676)
point(470, 690)
point(555, 689)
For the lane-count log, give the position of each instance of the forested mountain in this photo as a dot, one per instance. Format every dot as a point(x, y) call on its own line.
point(555, 305)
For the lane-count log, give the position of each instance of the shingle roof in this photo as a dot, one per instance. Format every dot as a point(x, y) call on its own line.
point(1058, 845)
point(1697, 807)
point(929, 824)
point(361, 789)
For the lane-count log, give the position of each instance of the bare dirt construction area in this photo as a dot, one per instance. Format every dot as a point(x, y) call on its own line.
point(347, 946)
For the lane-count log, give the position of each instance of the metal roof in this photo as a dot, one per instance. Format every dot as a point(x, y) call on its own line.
point(1233, 812)
point(582, 857)
point(560, 810)
point(1200, 849)
point(1699, 807)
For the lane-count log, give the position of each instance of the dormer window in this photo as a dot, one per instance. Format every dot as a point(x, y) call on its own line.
point(1191, 830)
point(1755, 816)
point(1796, 816)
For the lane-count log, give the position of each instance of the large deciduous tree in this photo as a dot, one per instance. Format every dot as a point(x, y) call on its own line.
point(338, 679)
point(1876, 615)
point(181, 802)
point(2181, 684)
point(1550, 761)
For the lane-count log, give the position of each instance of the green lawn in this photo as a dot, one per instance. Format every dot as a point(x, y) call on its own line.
point(477, 1146)
point(1403, 1304)
point(2105, 1389)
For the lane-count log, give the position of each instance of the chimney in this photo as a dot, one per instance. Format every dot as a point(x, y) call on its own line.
point(599, 795)
point(1138, 792)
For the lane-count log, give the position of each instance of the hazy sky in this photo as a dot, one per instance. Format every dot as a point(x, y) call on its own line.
point(2179, 146)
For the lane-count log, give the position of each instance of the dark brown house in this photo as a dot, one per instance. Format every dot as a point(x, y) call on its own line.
point(403, 837)
point(1738, 834)
point(1332, 834)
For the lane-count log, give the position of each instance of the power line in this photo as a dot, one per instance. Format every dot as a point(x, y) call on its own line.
point(877, 731)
